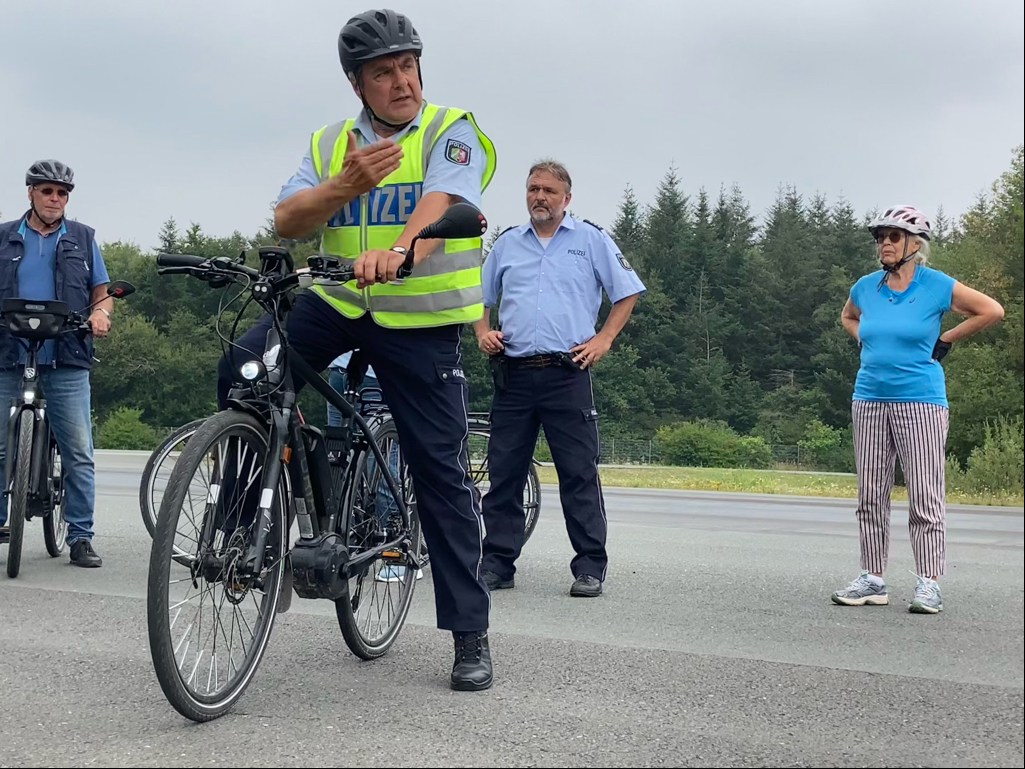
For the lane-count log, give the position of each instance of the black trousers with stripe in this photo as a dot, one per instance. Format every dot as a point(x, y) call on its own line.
point(421, 375)
point(562, 402)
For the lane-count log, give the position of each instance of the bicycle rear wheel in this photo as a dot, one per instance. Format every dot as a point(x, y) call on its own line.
point(157, 473)
point(55, 528)
point(19, 492)
point(480, 474)
point(371, 615)
point(531, 502)
point(209, 620)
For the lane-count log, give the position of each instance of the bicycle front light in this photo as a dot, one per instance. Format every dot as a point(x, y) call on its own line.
point(252, 370)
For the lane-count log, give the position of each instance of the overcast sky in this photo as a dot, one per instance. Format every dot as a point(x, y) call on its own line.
point(202, 109)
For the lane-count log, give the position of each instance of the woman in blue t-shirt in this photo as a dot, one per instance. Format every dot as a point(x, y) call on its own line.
point(900, 400)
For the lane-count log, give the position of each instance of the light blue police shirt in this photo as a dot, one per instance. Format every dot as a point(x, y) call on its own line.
point(551, 293)
point(443, 173)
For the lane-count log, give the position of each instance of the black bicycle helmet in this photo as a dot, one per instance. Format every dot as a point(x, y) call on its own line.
point(375, 33)
point(54, 171)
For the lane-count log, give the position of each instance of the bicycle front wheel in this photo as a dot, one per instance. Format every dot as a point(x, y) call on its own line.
point(209, 618)
point(372, 613)
point(19, 492)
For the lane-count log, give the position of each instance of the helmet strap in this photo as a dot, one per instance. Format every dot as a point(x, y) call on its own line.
point(49, 225)
point(892, 269)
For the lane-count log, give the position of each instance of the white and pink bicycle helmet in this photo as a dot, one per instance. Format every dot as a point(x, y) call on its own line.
point(907, 218)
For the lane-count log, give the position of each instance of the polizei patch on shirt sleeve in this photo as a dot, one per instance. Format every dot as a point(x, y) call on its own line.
point(623, 262)
point(457, 152)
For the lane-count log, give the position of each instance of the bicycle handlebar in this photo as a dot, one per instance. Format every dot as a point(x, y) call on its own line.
point(180, 260)
point(209, 268)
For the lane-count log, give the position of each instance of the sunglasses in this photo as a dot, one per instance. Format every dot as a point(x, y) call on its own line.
point(894, 236)
point(48, 191)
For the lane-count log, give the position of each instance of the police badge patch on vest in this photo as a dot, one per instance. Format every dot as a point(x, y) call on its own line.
point(457, 152)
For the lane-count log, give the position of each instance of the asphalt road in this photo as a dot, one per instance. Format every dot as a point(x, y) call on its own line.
point(715, 644)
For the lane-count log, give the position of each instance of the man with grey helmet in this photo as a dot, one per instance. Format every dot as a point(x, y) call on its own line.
point(45, 256)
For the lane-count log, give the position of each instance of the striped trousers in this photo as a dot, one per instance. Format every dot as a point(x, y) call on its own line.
point(917, 433)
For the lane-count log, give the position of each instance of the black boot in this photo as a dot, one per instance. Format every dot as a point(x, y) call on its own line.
point(472, 669)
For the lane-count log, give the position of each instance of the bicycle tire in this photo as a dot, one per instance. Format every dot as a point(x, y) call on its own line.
point(191, 704)
point(356, 526)
point(149, 506)
point(19, 493)
point(55, 526)
point(480, 473)
point(531, 502)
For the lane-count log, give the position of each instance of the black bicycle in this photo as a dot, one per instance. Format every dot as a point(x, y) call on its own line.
point(33, 472)
point(248, 473)
point(156, 473)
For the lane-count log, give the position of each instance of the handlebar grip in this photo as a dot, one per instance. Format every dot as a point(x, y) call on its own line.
point(180, 260)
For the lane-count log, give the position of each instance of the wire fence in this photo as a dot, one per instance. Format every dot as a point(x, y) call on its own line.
point(631, 451)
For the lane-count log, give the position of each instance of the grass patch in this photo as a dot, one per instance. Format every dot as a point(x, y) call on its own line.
point(762, 482)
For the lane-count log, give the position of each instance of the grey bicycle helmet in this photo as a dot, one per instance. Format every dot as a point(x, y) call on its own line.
point(43, 171)
point(376, 33)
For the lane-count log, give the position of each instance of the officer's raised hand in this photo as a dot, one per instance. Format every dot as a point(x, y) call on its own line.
point(591, 351)
point(490, 342)
point(363, 169)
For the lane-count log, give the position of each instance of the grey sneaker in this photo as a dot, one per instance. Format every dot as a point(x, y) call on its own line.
point(928, 599)
point(862, 591)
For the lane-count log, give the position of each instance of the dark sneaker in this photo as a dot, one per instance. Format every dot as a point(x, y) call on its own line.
point(495, 582)
point(586, 586)
point(82, 554)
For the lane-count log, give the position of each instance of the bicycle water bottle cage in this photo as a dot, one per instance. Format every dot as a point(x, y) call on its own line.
point(34, 320)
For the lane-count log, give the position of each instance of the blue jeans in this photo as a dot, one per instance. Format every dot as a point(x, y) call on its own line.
point(66, 390)
point(385, 502)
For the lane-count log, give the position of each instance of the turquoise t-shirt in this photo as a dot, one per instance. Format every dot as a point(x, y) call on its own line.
point(898, 332)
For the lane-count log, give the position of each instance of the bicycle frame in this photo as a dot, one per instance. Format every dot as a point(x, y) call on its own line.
point(272, 399)
point(321, 564)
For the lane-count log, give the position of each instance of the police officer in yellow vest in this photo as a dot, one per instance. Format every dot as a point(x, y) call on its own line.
point(375, 181)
